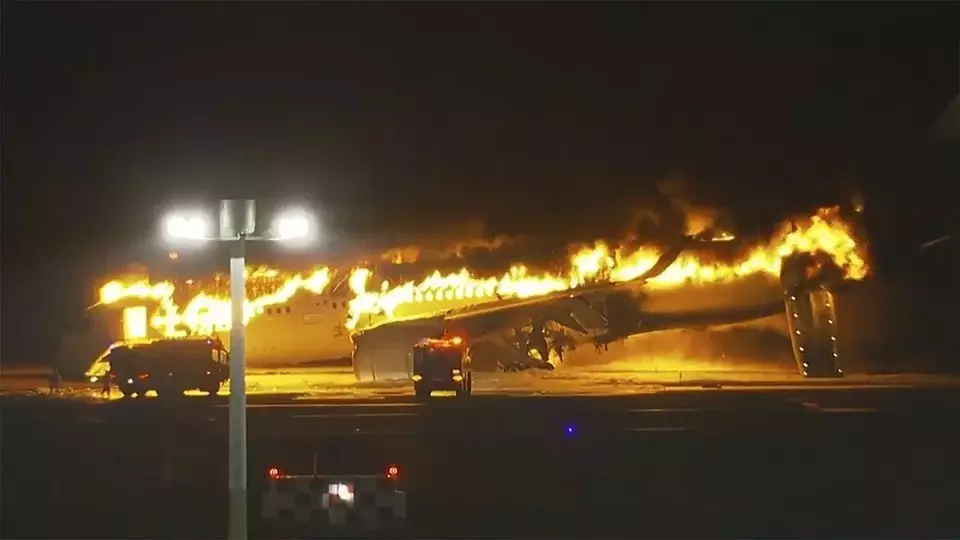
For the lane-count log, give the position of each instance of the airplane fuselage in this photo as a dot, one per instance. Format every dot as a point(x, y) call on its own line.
point(311, 328)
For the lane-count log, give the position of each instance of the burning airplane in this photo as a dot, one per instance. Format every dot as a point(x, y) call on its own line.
point(521, 319)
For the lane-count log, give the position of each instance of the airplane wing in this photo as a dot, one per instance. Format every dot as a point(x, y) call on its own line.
point(653, 322)
point(381, 351)
point(572, 309)
point(575, 309)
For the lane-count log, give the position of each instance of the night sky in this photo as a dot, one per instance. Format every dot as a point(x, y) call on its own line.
point(399, 118)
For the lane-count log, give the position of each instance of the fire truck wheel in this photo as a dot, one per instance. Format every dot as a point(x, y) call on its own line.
point(464, 389)
point(422, 392)
point(169, 392)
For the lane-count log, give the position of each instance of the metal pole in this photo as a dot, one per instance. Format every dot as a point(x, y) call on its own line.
point(238, 395)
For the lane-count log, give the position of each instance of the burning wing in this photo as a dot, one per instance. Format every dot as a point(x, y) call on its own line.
point(513, 334)
point(524, 333)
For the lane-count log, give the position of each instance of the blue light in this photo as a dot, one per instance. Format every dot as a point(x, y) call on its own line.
point(569, 430)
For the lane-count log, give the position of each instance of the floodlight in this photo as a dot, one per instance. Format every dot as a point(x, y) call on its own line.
point(294, 225)
point(180, 226)
point(237, 225)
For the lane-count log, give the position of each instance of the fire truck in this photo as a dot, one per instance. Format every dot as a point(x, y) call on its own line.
point(167, 366)
point(441, 364)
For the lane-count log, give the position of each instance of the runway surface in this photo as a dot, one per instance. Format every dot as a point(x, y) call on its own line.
point(604, 380)
point(847, 460)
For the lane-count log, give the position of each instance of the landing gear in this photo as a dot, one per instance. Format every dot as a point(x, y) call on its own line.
point(170, 391)
point(211, 388)
point(513, 367)
point(466, 386)
point(422, 392)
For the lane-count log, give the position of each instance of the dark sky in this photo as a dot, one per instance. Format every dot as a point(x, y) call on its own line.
point(405, 116)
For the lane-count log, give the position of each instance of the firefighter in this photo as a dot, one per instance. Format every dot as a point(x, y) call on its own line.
point(559, 340)
point(538, 340)
point(105, 385)
point(55, 379)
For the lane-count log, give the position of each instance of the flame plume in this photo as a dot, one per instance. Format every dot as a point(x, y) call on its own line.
point(824, 232)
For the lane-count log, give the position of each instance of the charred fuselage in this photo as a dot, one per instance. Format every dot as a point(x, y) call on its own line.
point(536, 333)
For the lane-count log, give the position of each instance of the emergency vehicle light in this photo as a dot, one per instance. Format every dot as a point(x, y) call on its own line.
point(343, 491)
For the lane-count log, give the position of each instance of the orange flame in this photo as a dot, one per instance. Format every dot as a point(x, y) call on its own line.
point(824, 232)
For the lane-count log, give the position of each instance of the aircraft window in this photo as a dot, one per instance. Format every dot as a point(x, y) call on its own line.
point(269, 311)
point(325, 303)
point(288, 309)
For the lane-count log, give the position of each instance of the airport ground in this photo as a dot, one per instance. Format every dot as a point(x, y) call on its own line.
point(708, 456)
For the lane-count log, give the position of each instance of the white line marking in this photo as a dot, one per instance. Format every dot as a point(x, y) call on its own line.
point(670, 410)
point(311, 405)
point(355, 415)
point(815, 407)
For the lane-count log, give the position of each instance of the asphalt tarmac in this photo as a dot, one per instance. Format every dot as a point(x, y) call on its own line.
point(841, 462)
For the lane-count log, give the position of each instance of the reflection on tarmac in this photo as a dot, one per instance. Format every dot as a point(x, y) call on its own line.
point(334, 383)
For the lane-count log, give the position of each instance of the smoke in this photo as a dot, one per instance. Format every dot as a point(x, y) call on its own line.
point(658, 219)
point(457, 249)
point(451, 241)
point(671, 212)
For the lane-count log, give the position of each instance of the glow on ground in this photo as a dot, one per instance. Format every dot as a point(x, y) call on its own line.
point(567, 381)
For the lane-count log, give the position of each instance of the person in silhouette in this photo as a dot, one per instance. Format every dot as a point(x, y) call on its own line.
point(538, 341)
point(55, 379)
point(105, 385)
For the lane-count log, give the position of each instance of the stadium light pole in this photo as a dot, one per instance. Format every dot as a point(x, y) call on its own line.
point(237, 226)
point(237, 483)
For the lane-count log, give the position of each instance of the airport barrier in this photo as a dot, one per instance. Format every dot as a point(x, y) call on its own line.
point(313, 503)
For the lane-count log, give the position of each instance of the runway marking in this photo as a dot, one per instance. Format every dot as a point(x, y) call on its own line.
point(303, 405)
point(354, 415)
point(815, 407)
point(678, 409)
point(845, 410)
point(361, 433)
point(658, 429)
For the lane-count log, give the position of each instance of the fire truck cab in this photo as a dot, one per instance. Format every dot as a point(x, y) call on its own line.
point(441, 364)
